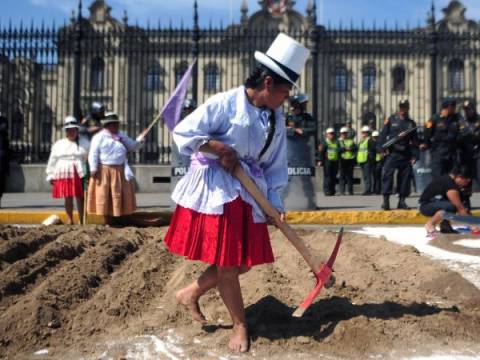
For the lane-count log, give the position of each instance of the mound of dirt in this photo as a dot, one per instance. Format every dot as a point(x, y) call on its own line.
point(73, 289)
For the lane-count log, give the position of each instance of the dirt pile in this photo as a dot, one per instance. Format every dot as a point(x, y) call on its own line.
point(71, 289)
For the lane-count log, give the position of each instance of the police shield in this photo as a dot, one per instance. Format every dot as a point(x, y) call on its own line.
point(180, 164)
point(299, 194)
point(422, 171)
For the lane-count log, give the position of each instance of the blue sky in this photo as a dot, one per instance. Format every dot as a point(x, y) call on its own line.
point(334, 11)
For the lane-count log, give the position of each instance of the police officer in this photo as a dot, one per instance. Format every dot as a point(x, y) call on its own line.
point(366, 159)
point(469, 139)
point(91, 124)
point(401, 155)
point(441, 136)
point(299, 121)
point(347, 161)
point(377, 165)
point(188, 106)
point(329, 157)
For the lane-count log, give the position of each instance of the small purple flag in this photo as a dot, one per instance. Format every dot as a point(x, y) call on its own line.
point(173, 107)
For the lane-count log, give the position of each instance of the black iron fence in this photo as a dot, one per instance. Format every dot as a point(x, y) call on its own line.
point(47, 73)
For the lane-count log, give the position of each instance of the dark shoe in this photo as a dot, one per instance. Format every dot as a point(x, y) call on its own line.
point(446, 227)
point(386, 202)
point(402, 205)
point(350, 193)
point(366, 193)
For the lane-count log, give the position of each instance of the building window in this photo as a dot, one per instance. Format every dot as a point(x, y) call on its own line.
point(456, 75)
point(97, 74)
point(212, 78)
point(369, 76)
point(180, 69)
point(341, 78)
point(155, 76)
point(398, 78)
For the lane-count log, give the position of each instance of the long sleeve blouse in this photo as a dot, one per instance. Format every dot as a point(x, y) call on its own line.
point(230, 118)
point(65, 157)
point(110, 149)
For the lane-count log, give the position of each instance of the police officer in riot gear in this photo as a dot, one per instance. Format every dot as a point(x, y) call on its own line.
point(329, 157)
point(188, 106)
point(441, 136)
point(91, 124)
point(469, 139)
point(401, 155)
point(299, 121)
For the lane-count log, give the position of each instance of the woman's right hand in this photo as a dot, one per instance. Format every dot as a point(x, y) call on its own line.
point(228, 156)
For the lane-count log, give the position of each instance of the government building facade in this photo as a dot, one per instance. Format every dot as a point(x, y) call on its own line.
point(360, 74)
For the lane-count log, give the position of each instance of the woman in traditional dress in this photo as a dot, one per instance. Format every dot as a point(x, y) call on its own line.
point(111, 190)
point(216, 220)
point(66, 168)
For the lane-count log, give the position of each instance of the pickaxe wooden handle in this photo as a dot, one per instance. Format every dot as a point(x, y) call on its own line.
point(289, 233)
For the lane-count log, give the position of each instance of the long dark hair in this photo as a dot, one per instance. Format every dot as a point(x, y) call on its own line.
point(257, 76)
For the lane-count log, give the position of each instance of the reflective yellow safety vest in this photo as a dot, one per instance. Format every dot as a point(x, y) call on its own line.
point(332, 150)
point(378, 157)
point(362, 154)
point(348, 143)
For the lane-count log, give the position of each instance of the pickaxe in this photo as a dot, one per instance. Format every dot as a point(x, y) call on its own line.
point(321, 271)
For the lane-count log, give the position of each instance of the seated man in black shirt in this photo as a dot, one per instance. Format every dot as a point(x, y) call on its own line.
point(443, 194)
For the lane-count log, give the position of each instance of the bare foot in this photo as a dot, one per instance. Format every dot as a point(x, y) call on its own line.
point(430, 228)
point(239, 340)
point(184, 298)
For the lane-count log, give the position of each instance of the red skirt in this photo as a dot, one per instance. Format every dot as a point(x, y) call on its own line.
point(63, 188)
point(230, 239)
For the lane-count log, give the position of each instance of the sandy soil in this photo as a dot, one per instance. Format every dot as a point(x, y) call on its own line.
point(85, 292)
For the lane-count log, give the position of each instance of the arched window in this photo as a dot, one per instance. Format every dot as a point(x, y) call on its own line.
point(180, 69)
point(155, 76)
point(97, 74)
point(341, 78)
point(369, 77)
point(456, 75)
point(212, 78)
point(398, 78)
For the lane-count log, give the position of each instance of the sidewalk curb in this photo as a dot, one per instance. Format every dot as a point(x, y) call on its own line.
point(324, 217)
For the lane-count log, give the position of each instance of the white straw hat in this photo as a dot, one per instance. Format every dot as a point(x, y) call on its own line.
point(285, 57)
point(329, 130)
point(109, 118)
point(375, 133)
point(366, 129)
point(70, 123)
point(344, 130)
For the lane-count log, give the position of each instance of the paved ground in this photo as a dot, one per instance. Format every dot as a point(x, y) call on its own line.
point(161, 201)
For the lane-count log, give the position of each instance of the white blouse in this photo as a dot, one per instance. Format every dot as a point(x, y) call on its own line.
point(65, 157)
point(229, 117)
point(110, 149)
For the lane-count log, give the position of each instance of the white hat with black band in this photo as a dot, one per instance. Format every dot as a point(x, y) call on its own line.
point(70, 123)
point(110, 117)
point(286, 57)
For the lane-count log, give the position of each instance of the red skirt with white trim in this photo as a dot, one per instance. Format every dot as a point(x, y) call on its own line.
point(230, 239)
point(63, 188)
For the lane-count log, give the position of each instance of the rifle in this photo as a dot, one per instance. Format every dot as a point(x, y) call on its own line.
point(398, 137)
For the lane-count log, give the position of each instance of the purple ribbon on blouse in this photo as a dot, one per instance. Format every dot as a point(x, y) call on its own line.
point(198, 160)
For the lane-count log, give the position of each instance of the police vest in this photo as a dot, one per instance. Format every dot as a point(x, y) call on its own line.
point(332, 150)
point(362, 155)
point(378, 157)
point(348, 143)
